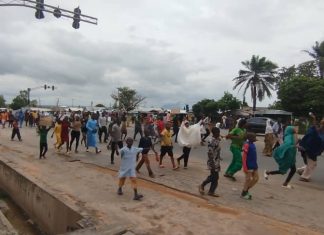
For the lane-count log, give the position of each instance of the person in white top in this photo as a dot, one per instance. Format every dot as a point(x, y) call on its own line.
point(103, 123)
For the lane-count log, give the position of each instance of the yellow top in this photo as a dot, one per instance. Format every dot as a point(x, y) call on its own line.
point(166, 138)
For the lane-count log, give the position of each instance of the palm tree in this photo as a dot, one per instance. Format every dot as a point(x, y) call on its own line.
point(259, 77)
point(318, 54)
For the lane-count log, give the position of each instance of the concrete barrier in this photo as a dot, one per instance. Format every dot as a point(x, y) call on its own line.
point(50, 214)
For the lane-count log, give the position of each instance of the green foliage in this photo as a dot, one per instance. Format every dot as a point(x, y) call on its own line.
point(228, 102)
point(301, 95)
point(259, 78)
point(210, 108)
point(317, 53)
point(99, 105)
point(205, 107)
point(20, 100)
point(276, 105)
point(126, 99)
point(2, 102)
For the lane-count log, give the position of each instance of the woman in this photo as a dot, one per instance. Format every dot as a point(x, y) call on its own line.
point(285, 156)
point(268, 140)
point(92, 132)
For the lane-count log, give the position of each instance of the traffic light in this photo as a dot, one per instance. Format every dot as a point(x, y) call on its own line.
point(57, 13)
point(76, 18)
point(45, 86)
point(39, 9)
point(187, 108)
point(53, 88)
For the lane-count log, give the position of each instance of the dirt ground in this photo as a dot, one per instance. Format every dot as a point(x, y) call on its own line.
point(168, 206)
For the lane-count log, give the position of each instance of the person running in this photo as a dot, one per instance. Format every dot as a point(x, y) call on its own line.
point(92, 128)
point(311, 146)
point(75, 133)
point(213, 163)
point(237, 135)
point(146, 144)
point(166, 145)
point(285, 156)
point(127, 167)
point(15, 130)
point(43, 147)
point(250, 165)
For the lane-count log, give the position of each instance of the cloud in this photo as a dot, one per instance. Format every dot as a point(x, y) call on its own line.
point(168, 51)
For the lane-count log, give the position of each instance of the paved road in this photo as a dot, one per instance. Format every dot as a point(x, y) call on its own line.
point(269, 198)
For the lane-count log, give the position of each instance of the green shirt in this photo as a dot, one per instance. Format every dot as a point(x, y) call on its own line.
point(240, 141)
point(43, 135)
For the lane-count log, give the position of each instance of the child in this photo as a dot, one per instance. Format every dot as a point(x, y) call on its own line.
point(127, 167)
point(146, 144)
point(213, 163)
point(15, 130)
point(250, 166)
point(43, 141)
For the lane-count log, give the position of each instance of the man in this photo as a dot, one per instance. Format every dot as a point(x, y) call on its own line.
point(138, 126)
point(103, 123)
point(116, 141)
point(166, 145)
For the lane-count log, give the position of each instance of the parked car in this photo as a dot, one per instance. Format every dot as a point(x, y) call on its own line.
point(258, 124)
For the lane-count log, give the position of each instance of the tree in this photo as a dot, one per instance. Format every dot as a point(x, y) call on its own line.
point(99, 105)
point(2, 102)
point(317, 53)
point(20, 100)
point(205, 107)
point(301, 95)
point(259, 77)
point(127, 99)
point(228, 102)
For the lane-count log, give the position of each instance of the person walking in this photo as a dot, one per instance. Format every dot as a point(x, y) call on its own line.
point(15, 130)
point(65, 134)
point(186, 146)
point(213, 163)
point(285, 156)
point(268, 139)
point(92, 128)
point(146, 144)
point(166, 145)
point(311, 146)
point(75, 133)
point(138, 127)
point(127, 167)
point(43, 147)
point(103, 127)
point(57, 131)
point(116, 142)
point(237, 135)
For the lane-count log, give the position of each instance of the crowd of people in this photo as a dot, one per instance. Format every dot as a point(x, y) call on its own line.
point(281, 143)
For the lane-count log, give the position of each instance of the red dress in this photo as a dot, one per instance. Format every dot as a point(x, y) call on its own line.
point(65, 132)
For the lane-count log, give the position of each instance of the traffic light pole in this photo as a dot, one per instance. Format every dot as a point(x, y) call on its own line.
point(34, 88)
point(51, 9)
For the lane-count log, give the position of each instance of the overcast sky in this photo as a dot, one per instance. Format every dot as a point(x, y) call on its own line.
point(170, 51)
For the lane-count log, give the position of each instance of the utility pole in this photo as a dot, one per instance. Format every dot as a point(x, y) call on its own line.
point(58, 12)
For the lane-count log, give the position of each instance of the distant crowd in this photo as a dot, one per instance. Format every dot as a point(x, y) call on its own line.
point(72, 129)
